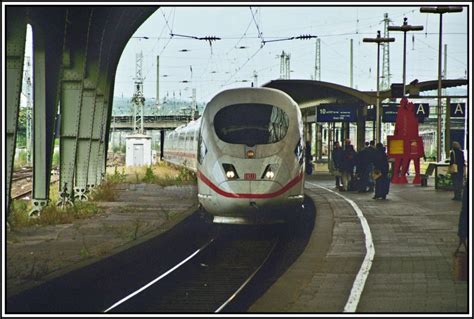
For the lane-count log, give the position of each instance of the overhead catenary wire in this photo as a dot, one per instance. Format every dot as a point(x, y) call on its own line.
point(171, 31)
point(233, 47)
point(260, 34)
point(166, 21)
point(449, 55)
point(151, 52)
point(240, 68)
point(237, 64)
point(319, 36)
point(240, 39)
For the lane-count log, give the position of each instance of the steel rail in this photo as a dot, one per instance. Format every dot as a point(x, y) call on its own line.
point(165, 274)
point(232, 297)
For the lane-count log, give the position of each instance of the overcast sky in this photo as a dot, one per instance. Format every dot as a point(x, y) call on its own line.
point(227, 65)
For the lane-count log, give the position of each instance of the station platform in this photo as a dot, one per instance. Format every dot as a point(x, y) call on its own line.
point(413, 235)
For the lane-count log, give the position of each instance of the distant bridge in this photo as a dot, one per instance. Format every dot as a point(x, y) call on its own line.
point(150, 122)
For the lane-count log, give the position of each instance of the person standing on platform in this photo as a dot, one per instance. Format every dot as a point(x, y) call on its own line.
point(382, 183)
point(363, 163)
point(456, 156)
point(371, 150)
point(462, 226)
point(308, 159)
point(337, 162)
point(347, 165)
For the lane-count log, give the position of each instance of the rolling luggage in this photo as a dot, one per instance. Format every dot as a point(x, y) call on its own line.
point(385, 185)
point(460, 263)
point(382, 186)
point(353, 184)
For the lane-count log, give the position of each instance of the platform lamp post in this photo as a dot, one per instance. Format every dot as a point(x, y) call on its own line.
point(378, 40)
point(405, 27)
point(440, 10)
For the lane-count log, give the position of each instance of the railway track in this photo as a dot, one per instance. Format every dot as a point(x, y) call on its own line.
point(196, 267)
point(22, 192)
point(23, 173)
point(208, 280)
point(22, 182)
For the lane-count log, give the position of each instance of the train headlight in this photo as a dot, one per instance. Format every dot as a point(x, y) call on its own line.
point(230, 171)
point(269, 175)
point(269, 172)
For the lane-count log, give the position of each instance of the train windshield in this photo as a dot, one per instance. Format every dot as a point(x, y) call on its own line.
point(251, 124)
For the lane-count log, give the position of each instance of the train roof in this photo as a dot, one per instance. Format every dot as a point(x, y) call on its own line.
point(189, 126)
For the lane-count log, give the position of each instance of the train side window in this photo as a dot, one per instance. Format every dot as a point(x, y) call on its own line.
point(202, 149)
point(189, 140)
point(195, 137)
point(182, 139)
point(185, 140)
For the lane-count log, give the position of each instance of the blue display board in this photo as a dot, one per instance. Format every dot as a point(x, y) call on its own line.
point(389, 112)
point(336, 113)
point(457, 109)
point(422, 111)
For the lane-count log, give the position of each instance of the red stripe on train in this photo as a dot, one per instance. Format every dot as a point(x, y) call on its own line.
point(180, 154)
point(221, 192)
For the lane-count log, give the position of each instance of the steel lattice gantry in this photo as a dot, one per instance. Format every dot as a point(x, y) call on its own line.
point(76, 50)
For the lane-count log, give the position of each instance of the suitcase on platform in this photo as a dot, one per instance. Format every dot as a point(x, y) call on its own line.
point(460, 264)
point(354, 183)
point(382, 186)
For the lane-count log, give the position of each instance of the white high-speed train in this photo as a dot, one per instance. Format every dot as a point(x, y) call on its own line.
point(247, 150)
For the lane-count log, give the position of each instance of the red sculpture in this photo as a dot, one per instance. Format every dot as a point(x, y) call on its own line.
point(405, 144)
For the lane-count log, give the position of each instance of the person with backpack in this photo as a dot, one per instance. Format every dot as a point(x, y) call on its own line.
point(456, 159)
point(347, 165)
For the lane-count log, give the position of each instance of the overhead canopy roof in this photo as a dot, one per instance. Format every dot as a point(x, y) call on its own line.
point(309, 93)
point(433, 85)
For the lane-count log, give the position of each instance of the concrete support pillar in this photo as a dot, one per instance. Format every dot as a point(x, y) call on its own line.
point(361, 119)
point(162, 143)
point(307, 145)
point(15, 43)
point(71, 100)
point(345, 131)
point(336, 133)
point(307, 131)
point(74, 60)
point(92, 107)
point(108, 85)
point(330, 145)
point(102, 154)
point(447, 130)
point(47, 51)
point(84, 143)
point(92, 179)
point(319, 141)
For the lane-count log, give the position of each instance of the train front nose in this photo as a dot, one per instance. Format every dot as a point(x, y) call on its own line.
point(247, 195)
point(244, 201)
